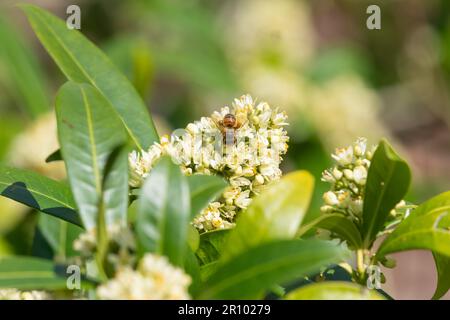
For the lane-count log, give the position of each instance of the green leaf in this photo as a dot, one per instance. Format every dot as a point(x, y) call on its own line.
point(338, 224)
point(387, 183)
point(38, 192)
point(334, 290)
point(54, 156)
point(211, 245)
point(81, 61)
point(260, 268)
point(115, 187)
point(427, 227)
point(26, 273)
point(204, 189)
point(88, 132)
point(59, 235)
point(192, 268)
point(443, 272)
point(275, 214)
point(23, 70)
point(163, 212)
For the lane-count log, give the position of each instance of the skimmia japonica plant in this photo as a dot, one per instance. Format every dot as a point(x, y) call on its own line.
point(204, 213)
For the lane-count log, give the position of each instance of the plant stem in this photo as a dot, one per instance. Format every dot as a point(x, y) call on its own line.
point(360, 265)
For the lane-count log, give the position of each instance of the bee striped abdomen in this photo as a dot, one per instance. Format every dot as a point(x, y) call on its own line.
point(229, 136)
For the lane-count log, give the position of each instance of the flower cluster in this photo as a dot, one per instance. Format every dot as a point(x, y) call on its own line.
point(248, 164)
point(14, 294)
point(154, 279)
point(348, 179)
point(122, 244)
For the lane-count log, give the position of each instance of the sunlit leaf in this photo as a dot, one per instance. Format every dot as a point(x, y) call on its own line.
point(38, 192)
point(88, 132)
point(387, 183)
point(427, 227)
point(334, 290)
point(81, 61)
point(275, 214)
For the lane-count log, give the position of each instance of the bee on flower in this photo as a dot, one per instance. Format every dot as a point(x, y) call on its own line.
point(243, 143)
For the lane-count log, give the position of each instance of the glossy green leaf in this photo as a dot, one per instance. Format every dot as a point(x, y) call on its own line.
point(23, 70)
point(88, 131)
point(443, 273)
point(388, 180)
point(28, 273)
point(334, 290)
point(211, 245)
point(275, 214)
point(59, 235)
point(204, 189)
point(163, 212)
point(338, 224)
point(260, 268)
point(115, 187)
point(81, 61)
point(38, 192)
point(427, 227)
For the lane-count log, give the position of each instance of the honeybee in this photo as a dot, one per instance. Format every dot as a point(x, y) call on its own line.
point(228, 126)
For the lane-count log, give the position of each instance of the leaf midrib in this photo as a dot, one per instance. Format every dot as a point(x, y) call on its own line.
point(39, 193)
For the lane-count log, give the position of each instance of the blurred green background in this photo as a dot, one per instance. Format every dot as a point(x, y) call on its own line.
point(316, 60)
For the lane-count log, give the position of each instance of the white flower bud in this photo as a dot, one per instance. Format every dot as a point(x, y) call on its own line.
point(348, 174)
point(337, 173)
point(330, 198)
point(360, 175)
point(259, 179)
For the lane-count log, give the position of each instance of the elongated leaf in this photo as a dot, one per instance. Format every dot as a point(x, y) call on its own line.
point(334, 290)
point(59, 235)
point(387, 183)
point(211, 245)
point(81, 61)
point(260, 268)
point(337, 224)
point(88, 132)
point(38, 192)
point(115, 187)
point(427, 227)
point(28, 273)
point(204, 189)
point(443, 272)
point(163, 212)
point(275, 214)
point(24, 71)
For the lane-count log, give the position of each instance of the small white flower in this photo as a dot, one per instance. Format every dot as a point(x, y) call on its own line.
point(330, 198)
point(248, 165)
point(343, 156)
point(360, 175)
point(154, 279)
